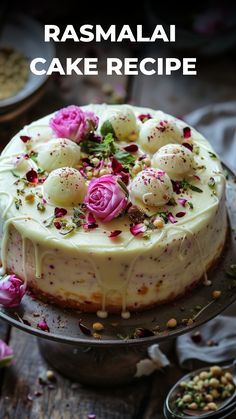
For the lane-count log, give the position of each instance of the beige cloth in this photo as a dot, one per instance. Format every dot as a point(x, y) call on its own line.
point(218, 123)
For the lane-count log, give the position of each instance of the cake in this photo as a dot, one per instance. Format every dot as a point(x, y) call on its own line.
point(110, 208)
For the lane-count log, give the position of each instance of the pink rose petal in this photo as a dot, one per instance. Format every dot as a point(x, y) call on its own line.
point(25, 138)
point(58, 225)
point(114, 233)
point(125, 176)
point(144, 117)
point(42, 325)
point(60, 212)
point(131, 148)
point(182, 201)
point(188, 145)
point(180, 214)
point(116, 166)
point(32, 176)
point(187, 132)
point(171, 218)
point(138, 229)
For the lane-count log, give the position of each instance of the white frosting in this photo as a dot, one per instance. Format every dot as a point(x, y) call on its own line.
point(58, 152)
point(175, 159)
point(123, 121)
point(65, 186)
point(151, 187)
point(158, 132)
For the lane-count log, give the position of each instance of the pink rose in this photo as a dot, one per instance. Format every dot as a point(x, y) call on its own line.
point(105, 198)
point(73, 123)
point(6, 354)
point(12, 290)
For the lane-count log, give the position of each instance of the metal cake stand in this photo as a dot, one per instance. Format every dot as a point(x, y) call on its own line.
point(112, 358)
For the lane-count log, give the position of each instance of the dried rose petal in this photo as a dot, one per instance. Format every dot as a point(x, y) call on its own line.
point(196, 177)
point(131, 148)
point(90, 218)
point(114, 233)
point(141, 332)
point(42, 325)
point(176, 186)
point(143, 156)
point(90, 226)
point(94, 137)
point(25, 138)
point(84, 329)
point(180, 214)
point(32, 176)
point(91, 222)
point(187, 132)
point(144, 117)
point(116, 166)
point(124, 177)
point(171, 218)
point(138, 229)
point(188, 145)
point(182, 201)
point(60, 212)
point(57, 224)
point(86, 160)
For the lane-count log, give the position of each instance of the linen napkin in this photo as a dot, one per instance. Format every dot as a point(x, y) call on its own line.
point(216, 341)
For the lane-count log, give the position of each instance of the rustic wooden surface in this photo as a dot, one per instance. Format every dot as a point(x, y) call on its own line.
point(21, 396)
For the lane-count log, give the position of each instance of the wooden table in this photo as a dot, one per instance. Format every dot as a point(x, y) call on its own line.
point(22, 397)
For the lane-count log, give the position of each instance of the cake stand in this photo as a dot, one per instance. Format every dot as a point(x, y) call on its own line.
point(112, 358)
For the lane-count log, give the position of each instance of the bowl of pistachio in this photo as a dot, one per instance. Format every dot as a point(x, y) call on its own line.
point(21, 40)
point(205, 393)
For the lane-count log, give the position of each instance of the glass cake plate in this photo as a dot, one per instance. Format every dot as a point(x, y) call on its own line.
point(71, 347)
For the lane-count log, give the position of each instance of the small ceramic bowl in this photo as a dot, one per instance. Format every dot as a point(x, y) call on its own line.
point(26, 36)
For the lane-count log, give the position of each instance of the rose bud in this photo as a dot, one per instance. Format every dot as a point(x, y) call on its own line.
point(12, 290)
point(6, 354)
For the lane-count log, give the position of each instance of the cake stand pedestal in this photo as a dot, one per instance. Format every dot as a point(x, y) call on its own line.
point(112, 359)
point(97, 366)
